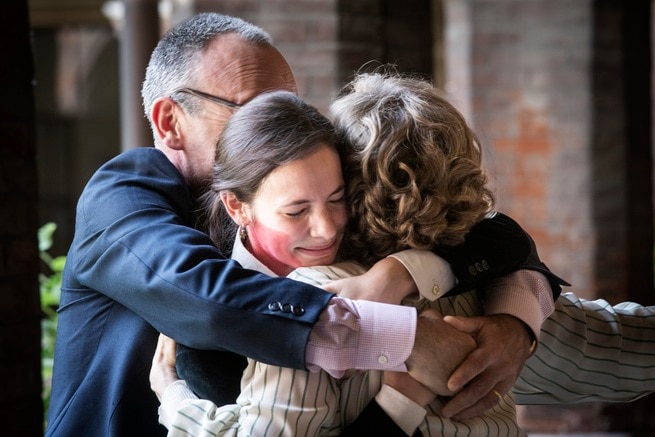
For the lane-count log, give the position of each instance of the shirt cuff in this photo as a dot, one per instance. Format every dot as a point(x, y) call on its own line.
point(174, 397)
point(405, 412)
point(431, 273)
point(524, 294)
point(363, 335)
point(387, 335)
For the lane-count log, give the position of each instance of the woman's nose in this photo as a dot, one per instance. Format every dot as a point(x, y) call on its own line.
point(324, 225)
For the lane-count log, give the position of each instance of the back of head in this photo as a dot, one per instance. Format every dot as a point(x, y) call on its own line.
point(176, 56)
point(273, 129)
point(414, 166)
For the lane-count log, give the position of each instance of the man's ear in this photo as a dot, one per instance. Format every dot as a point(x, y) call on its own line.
point(165, 115)
point(235, 208)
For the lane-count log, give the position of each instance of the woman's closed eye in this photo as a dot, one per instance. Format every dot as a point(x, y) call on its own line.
point(340, 200)
point(339, 197)
point(298, 213)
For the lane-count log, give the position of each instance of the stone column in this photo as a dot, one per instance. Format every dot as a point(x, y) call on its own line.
point(139, 33)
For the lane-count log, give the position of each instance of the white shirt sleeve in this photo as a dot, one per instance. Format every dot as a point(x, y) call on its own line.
point(174, 397)
point(431, 273)
point(405, 412)
point(524, 294)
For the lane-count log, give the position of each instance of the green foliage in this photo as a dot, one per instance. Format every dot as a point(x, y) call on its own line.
point(50, 289)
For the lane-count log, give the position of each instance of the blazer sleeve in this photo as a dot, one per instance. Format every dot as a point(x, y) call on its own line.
point(135, 243)
point(496, 246)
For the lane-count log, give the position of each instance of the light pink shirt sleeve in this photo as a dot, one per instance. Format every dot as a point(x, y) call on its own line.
point(363, 335)
point(524, 294)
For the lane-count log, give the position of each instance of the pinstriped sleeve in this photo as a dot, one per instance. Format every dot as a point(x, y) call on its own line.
point(591, 351)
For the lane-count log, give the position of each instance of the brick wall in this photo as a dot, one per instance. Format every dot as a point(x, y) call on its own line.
point(326, 41)
point(374, 32)
point(550, 85)
point(305, 32)
point(531, 108)
point(556, 88)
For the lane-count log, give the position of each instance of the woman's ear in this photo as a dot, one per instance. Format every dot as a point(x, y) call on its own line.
point(165, 115)
point(237, 209)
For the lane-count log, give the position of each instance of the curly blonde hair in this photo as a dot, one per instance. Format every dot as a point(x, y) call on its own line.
point(414, 166)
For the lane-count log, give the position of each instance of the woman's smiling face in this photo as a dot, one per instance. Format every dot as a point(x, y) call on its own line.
point(298, 215)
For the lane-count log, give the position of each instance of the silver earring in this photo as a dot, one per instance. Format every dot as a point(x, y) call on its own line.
point(243, 234)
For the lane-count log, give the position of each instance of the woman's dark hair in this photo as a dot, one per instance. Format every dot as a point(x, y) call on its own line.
point(273, 129)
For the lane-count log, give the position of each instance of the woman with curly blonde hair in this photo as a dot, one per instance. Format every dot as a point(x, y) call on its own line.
point(414, 166)
point(415, 181)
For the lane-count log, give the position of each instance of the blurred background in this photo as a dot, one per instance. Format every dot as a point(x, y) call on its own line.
point(559, 92)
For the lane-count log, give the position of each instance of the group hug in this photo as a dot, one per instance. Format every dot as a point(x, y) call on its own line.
point(269, 269)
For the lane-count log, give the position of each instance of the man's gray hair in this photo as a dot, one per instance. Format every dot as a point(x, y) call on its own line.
point(173, 61)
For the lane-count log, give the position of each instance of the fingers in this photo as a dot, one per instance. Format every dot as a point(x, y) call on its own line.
point(483, 371)
point(491, 369)
point(475, 364)
point(480, 392)
point(167, 348)
point(431, 314)
point(438, 350)
point(473, 395)
point(333, 287)
point(164, 353)
point(162, 371)
point(470, 325)
point(453, 409)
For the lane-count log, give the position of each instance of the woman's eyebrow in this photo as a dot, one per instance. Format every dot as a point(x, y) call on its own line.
point(341, 187)
point(297, 202)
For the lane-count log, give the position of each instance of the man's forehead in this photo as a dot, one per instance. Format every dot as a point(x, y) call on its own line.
point(241, 70)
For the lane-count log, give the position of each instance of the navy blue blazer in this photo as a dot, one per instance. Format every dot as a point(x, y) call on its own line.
point(135, 267)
